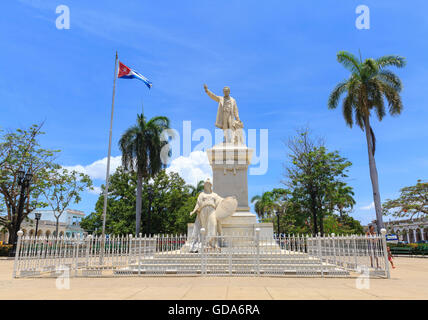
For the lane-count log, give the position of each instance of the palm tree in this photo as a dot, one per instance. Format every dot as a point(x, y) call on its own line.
point(366, 88)
point(344, 198)
point(141, 147)
point(258, 206)
point(195, 190)
point(263, 204)
point(271, 202)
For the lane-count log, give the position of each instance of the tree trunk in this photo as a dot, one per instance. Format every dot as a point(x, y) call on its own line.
point(149, 212)
point(341, 212)
point(314, 214)
point(57, 227)
point(12, 235)
point(373, 175)
point(277, 215)
point(321, 224)
point(138, 204)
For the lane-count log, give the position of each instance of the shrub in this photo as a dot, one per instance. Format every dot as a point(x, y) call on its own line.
point(5, 249)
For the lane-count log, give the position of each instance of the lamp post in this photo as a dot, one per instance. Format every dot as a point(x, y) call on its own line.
point(38, 217)
point(150, 195)
point(24, 180)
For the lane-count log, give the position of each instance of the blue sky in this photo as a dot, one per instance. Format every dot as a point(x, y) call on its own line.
point(278, 57)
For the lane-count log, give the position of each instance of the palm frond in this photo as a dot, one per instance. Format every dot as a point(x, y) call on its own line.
point(395, 105)
point(391, 60)
point(349, 61)
point(391, 79)
point(376, 98)
point(334, 97)
point(359, 118)
point(347, 110)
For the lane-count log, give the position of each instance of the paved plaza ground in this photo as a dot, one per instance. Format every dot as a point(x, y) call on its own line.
point(408, 281)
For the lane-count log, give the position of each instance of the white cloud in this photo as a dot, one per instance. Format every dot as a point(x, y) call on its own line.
point(97, 169)
point(96, 190)
point(193, 168)
point(371, 206)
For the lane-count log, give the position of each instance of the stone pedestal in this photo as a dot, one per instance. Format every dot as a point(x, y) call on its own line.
point(230, 163)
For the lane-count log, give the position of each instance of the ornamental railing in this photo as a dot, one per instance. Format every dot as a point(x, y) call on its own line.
point(227, 255)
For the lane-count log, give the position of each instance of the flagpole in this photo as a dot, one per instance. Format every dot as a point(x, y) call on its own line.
point(108, 163)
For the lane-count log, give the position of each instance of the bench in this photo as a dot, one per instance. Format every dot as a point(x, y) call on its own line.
point(401, 250)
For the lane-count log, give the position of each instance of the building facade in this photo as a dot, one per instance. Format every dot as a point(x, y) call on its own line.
point(69, 224)
point(410, 231)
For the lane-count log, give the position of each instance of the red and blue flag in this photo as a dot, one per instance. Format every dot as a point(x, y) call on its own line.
point(127, 73)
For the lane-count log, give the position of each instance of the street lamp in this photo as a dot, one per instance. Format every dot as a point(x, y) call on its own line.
point(38, 217)
point(150, 195)
point(24, 180)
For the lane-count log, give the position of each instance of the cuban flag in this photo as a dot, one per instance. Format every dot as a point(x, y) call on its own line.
point(127, 73)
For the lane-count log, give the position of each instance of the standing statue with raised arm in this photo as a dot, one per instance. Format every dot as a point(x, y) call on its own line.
point(227, 114)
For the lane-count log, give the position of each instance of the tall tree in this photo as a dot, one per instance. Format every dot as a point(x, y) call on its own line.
point(258, 206)
point(141, 147)
point(342, 198)
point(272, 205)
point(171, 206)
point(412, 202)
point(63, 187)
point(314, 176)
point(20, 151)
point(369, 84)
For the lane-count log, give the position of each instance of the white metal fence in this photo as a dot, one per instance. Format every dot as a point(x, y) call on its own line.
point(236, 254)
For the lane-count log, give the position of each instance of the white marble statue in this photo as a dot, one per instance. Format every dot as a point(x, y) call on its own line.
point(210, 209)
point(205, 208)
point(227, 115)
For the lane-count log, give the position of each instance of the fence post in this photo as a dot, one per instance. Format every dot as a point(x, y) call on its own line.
point(320, 253)
point(258, 250)
point(17, 252)
point(385, 253)
point(129, 249)
point(203, 262)
point(75, 244)
point(88, 248)
point(139, 253)
point(333, 236)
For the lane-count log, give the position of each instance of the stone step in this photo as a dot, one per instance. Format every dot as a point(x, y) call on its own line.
point(224, 262)
point(315, 265)
point(249, 271)
point(226, 254)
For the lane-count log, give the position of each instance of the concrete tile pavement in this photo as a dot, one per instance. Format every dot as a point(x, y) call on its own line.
point(408, 281)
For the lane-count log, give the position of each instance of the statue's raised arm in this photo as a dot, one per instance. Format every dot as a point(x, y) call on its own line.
point(211, 95)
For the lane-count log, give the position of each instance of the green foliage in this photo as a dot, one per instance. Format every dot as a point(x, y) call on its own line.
point(412, 248)
point(5, 249)
point(143, 148)
point(369, 85)
point(315, 178)
point(172, 203)
point(61, 187)
point(141, 145)
point(317, 194)
point(366, 88)
point(20, 150)
point(412, 202)
point(342, 225)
